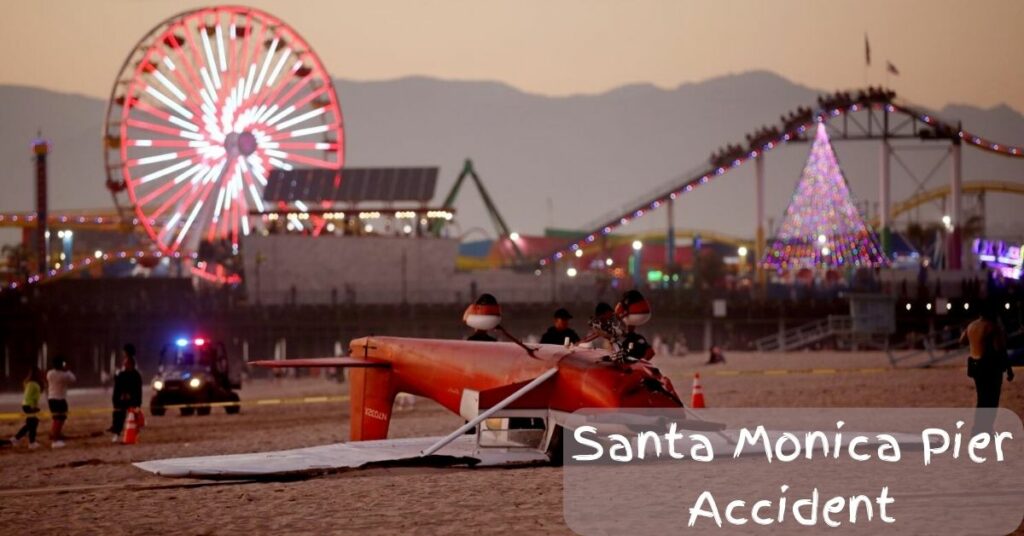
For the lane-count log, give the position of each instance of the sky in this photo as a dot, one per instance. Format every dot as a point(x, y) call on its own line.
point(947, 52)
point(960, 52)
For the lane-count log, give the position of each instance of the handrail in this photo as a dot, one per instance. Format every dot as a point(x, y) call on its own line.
point(809, 332)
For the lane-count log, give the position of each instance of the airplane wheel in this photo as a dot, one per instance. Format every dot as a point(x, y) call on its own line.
point(157, 411)
point(554, 451)
point(185, 412)
point(203, 410)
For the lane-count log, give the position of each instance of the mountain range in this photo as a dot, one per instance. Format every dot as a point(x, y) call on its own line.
point(548, 161)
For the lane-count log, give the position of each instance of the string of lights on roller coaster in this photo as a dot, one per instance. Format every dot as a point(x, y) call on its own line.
point(640, 212)
point(217, 277)
point(219, 97)
point(784, 138)
point(100, 257)
point(95, 220)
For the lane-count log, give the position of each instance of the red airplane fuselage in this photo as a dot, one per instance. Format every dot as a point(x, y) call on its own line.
point(456, 373)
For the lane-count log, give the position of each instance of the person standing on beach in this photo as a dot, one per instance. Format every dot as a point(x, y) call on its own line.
point(30, 407)
point(987, 362)
point(58, 379)
point(127, 392)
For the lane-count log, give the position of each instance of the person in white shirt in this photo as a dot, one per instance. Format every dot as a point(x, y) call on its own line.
point(58, 379)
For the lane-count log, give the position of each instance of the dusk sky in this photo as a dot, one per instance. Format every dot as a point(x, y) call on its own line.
point(946, 51)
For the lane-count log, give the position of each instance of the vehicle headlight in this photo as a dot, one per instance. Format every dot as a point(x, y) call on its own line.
point(195, 383)
point(158, 385)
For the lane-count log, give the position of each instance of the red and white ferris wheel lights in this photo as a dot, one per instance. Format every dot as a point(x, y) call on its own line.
point(208, 103)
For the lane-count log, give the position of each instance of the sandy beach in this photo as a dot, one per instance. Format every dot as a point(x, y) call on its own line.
point(91, 487)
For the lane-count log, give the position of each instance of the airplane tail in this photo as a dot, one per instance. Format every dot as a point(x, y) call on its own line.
point(371, 392)
point(371, 396)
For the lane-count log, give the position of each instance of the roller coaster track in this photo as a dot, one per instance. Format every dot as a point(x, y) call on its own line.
point(86, 263)
point(93, 220)
point(972, 187)
point(96, 220)
point(915, 124)
point(706, 235)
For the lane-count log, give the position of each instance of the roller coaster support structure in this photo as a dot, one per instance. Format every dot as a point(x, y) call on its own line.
point(40, 148)
point(759, 242)
point(492, 209)
point(867, 114)
point(670, 239)
point(885, 197)
point(954, 245)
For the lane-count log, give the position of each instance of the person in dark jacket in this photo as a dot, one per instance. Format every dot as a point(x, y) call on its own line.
point(635, 345)
point(558, 333)
point(480, 335)
point(127, 391)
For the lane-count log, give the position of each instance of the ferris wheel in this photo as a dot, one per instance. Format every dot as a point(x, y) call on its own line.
point(207, 104)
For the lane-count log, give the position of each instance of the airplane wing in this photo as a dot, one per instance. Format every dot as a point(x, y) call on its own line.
point(340, 457)
point(313, 362)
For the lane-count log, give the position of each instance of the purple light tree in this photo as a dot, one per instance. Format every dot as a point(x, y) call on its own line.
point(822, 227)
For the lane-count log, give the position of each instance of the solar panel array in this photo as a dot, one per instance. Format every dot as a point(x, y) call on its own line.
point(352, 185)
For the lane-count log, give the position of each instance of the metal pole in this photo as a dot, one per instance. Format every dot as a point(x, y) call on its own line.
point(670, 238)
point(982, 211)
point(638, 275)
point(955, 214)
point(759, 243)
point(884, 198)
point(494, 409)
point(40, 148)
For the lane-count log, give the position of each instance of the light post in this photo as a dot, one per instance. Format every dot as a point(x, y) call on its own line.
point(40, 148)
point(636, 264)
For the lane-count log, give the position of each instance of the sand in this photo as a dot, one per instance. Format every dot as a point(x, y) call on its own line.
point(91, 487)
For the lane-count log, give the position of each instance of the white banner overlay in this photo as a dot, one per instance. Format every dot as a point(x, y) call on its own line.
point(789, 470)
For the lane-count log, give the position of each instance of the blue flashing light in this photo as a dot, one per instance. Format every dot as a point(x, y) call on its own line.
point(181, 342)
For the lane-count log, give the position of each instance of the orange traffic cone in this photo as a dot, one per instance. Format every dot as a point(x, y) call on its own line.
point(697, 396)
point(131, 430)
